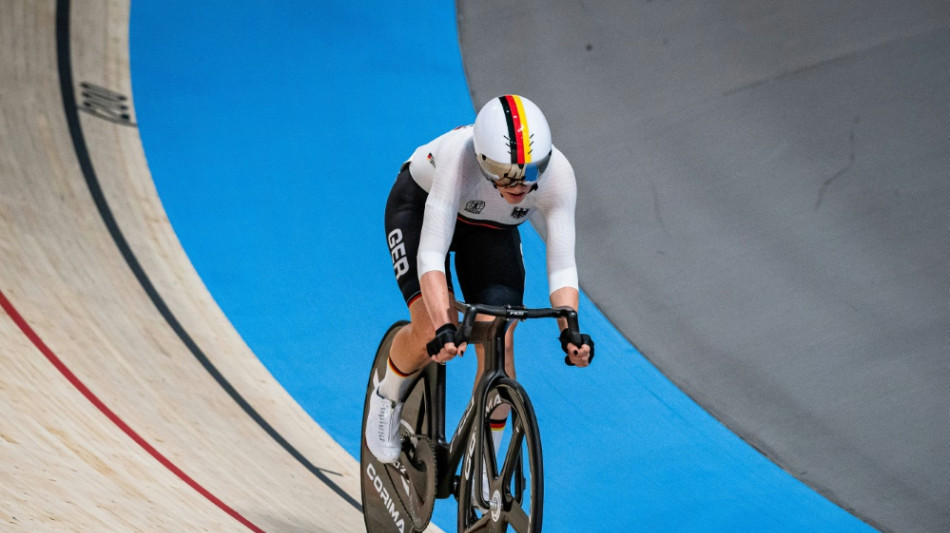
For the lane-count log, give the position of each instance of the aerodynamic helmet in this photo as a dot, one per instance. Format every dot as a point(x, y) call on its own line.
point(512, 141)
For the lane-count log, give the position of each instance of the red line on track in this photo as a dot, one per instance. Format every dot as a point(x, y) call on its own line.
point(68, 374)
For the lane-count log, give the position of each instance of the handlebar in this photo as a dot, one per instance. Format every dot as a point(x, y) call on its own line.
point(469, 330)
point(470, 311)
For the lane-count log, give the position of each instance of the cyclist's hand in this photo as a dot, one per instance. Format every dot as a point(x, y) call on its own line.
point(442, 347)
point(449, 351)
point(580, 354)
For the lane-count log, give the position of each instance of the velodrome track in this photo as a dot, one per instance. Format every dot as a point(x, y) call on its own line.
point(129, 401)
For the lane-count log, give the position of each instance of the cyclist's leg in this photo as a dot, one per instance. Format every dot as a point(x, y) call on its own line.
point(405, 209)
point(407, 489)
point(491, 271)
point(408, 352)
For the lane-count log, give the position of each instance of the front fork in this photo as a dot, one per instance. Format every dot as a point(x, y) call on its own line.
point(450, 454)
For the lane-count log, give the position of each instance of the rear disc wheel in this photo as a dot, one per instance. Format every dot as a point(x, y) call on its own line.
point(399, 497)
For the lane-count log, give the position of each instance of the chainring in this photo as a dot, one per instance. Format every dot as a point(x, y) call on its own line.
point(414, 478)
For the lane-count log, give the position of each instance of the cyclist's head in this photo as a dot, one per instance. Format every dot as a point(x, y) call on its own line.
point(512, 141)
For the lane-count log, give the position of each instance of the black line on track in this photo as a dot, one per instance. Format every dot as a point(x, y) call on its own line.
point(92, 181)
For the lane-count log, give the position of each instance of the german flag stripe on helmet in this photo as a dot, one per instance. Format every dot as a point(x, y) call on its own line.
point(519, 136)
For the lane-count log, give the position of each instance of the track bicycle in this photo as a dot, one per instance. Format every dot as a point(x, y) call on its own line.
point(510, 490)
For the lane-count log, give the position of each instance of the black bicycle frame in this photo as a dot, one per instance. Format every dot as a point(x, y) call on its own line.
point(492, 335)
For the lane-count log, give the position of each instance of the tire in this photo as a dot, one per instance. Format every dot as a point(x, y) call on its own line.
point(399, 497)
point(516, 492)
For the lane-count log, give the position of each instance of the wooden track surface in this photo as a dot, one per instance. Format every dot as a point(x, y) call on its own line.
point(128, 402)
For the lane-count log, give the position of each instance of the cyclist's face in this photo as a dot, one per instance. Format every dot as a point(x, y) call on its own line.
point(516, 193)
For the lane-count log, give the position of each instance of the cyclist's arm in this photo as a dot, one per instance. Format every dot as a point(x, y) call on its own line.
point(438, 226)
point(556, 220)
point(564, 297)
point(577, 355)
point(437, 230)
point(435, 294)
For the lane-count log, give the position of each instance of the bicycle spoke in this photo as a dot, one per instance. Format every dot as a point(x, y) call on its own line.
point(481, 524)
point(517, 518)
point(514, 451)
point(491, 460)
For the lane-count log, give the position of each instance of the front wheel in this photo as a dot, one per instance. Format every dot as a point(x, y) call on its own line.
point(515, 480)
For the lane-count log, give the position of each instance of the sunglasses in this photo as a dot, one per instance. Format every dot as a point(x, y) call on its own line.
point(512, 174)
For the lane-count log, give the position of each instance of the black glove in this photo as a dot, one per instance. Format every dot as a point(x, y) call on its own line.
point(577, 339)
point(443, 336)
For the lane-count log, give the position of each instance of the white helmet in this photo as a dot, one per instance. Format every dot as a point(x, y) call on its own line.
point(512, 141)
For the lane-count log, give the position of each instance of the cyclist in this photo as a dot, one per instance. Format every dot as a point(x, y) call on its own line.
point(466, 192)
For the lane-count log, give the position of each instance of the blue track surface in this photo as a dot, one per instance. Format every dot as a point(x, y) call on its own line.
point(274, 130)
